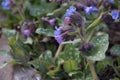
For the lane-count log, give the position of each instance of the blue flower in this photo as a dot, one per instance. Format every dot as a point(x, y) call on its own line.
point(57, 35)
point(70, 11)
point(115, 14)
point(110, 1)
point(5, 4)
point(89, 10)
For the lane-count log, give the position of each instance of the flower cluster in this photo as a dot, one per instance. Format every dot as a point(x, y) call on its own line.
point(70, 11)
point(68, 14)
point(57, 35)
point(6, 4)
point(58, 31)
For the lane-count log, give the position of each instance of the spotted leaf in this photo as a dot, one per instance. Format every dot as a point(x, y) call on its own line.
point(101, 45)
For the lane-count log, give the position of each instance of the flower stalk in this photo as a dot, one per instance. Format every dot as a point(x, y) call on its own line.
point(58, 51)
point(92, 69)
point(91, 29)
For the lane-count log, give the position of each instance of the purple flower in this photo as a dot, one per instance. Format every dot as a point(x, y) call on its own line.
point(27, 32)
point(52, 21)
point(89, 10)
point(6, 4)
point(70, 11)
point(110, 1)
point(67, 20)
point(115, 14)
point(57, 35)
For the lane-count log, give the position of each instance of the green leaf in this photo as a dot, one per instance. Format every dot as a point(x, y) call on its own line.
point(115, 79)
point(100, 66)
point(19, 51)
point(35, 63)
point(55, 71)
point(8, 32)
point(115, 50)
point(5, 53)
point(70, 52)
point(37, 10)
point(28, 41)
point(59, 11)
point(43, 62)
point(46, 32)
point(13, 62)
point(39, 64)
point(47, 56)
point(76, 74)
point(100, 46)
point(94, 24)
point(42, 9)
point(70, 66)
point(88, 77)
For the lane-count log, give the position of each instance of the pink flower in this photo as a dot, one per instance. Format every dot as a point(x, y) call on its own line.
point(67, 20)
point(52, 21)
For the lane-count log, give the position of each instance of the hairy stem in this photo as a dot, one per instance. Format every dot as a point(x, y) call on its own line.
point(58, 51)
point(91, 29)
point(92, 69)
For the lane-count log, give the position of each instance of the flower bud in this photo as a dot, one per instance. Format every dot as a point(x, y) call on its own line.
point(16, 27)
point(86, 47)
point(67, 20)
point(106, 18)
point(52, 21)
point(27, 32)
point(90, 2)
point(79, 6)
point(31, 25)
point(109, 4)
point(66, 28)
point(77, 19)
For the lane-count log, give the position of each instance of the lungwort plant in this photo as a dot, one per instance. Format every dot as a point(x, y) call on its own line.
point(64, 39)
